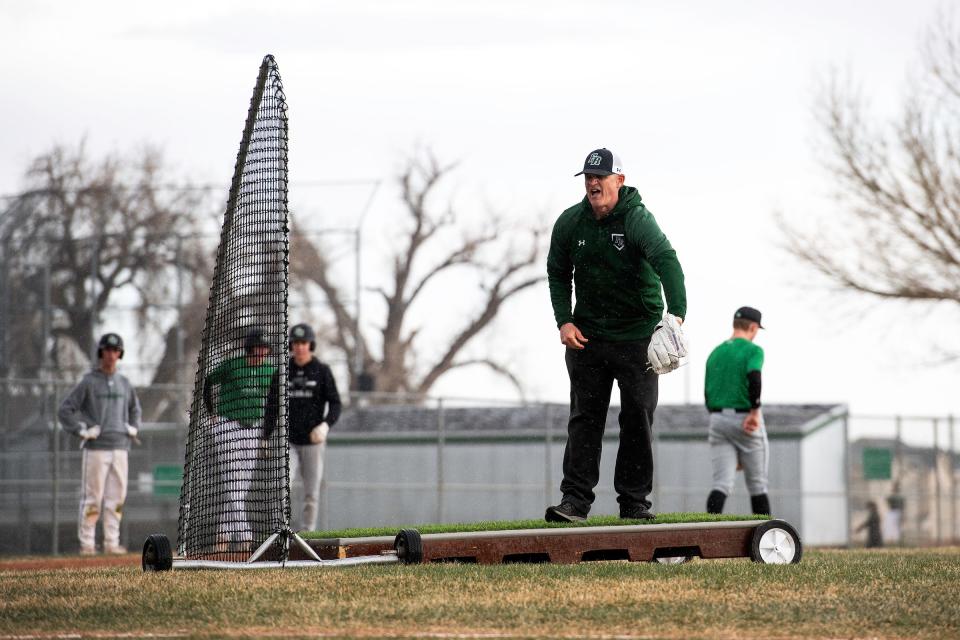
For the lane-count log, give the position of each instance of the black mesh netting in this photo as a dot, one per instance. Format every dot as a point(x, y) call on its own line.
point(235, 484)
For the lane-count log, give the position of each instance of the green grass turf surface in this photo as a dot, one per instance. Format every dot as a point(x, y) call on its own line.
point(890, 593)
point(503, 525)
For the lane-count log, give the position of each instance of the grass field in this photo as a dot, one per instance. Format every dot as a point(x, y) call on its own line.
point(831, 594)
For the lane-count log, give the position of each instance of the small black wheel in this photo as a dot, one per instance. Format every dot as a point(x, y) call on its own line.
point(775, 542)
point(157, 555)
point(409, 546)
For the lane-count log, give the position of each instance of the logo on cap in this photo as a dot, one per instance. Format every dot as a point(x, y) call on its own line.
point(112, 339)
point(602, 162)
point(298, 332)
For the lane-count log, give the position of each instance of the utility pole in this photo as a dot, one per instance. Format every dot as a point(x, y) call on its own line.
point(358, 287)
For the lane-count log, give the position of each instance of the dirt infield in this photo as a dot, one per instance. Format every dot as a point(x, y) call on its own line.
point(40, 563)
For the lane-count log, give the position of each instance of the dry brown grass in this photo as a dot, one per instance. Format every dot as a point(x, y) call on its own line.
point(860, 594)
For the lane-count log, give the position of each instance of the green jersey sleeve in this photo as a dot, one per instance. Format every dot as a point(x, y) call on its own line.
point(755, 361)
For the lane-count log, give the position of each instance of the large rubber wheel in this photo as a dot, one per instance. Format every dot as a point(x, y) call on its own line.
point(409, 546)
point(157, 555)
point(776, 542)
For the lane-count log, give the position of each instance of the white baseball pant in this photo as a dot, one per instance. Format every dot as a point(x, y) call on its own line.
point(104, 483)
point(237, 447)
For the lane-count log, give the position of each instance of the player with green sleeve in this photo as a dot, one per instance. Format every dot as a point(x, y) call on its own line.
point(737, 434)
point(245, 411)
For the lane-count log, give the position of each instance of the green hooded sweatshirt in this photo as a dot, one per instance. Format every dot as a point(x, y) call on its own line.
point(616, 265)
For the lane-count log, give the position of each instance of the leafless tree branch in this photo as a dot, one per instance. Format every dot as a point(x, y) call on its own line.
point(425, 252)
point(896, 230)
point(95, 228)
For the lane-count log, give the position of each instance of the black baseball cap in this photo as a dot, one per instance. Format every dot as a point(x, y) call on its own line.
point(602, 162)
point(748, 313)
point(302, 332)
point(255, 337)
point(110, 341)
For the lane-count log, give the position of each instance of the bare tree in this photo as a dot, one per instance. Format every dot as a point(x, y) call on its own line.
point(896, 231)
point(83, 233)
point(501, 269)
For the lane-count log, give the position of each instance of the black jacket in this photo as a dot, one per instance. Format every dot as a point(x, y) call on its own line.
point(313, 399)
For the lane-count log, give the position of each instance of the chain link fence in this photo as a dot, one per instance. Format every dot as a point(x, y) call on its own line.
point(396, 460)
point(907, 466)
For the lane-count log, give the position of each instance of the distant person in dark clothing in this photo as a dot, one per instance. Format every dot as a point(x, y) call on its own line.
point(893, 521)
point(872, 525)
point(314, 408)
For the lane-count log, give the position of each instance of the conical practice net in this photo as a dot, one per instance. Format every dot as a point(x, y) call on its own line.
point(236, 489)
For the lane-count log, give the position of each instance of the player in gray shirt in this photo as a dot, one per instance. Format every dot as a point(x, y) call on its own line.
point(104, 412)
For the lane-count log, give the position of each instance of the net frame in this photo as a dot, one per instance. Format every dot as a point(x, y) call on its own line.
point(235, 496)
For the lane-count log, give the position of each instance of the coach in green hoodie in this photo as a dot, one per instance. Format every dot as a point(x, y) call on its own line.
point(609, 250)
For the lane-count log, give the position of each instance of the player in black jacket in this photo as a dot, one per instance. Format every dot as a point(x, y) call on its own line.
point(314, 408)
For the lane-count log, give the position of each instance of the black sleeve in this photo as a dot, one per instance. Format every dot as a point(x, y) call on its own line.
point(753, 388)
point(271, 415)
point(208, 395)
point(333, 396)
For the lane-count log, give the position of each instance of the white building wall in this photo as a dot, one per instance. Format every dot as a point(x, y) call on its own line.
point(786, 487)
point(685, 478)
point(391, 484)
point(683, 475)
point(824, 501)
point(388, 484)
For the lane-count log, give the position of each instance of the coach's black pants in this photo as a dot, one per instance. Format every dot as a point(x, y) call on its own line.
point(592, 371)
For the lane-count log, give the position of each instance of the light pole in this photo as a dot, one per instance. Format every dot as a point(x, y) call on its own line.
point(357, 342)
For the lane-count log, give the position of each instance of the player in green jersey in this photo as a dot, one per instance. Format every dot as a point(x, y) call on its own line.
point(246, 408)
point(737, 436)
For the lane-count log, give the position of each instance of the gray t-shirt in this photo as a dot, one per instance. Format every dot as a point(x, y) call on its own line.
point(106, 400)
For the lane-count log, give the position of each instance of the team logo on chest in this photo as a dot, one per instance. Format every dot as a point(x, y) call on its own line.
point(618, 241)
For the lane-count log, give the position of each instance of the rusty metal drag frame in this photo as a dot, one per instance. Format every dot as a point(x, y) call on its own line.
point(636, 543)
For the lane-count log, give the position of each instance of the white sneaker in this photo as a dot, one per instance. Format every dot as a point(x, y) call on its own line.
point(115, 550)
point(88, 551)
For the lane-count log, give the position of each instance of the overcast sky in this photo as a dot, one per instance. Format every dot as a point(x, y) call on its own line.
point(707, 103)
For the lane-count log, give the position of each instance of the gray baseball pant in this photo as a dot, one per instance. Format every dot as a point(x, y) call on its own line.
point(729, 443)
point(307, 460)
